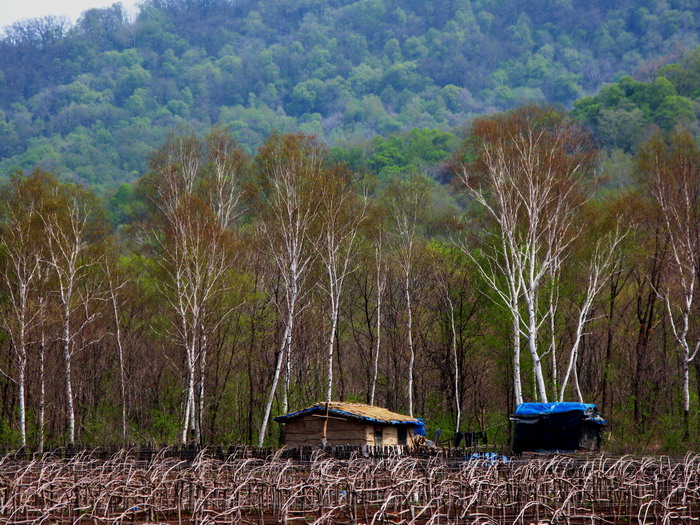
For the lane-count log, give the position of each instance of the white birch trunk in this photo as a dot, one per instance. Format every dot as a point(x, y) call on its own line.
point(331, 344)
point(597, 278)
point(686, 387)
point(579, 394)
point(120, 356)
point(536, 362)
point(553, 307)
point(517, 382)
point(186, 417)
point(571, 368)
point(381, 283)
point(275, 380)
point(290, 212)
point(42, 389)
point(67, 358)
point(67, 245)
point(340, 224)
point(20, 275)
point(202, 380)
point(22, 365)
point(287, 378)
point(411, 349)
point(189, 416)
point(21, 373)
point(455, 358)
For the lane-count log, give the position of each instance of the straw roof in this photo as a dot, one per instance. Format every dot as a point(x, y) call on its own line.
point(359, 411)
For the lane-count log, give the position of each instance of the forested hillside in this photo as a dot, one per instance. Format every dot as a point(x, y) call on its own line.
point(91, 102)
point(348, 200)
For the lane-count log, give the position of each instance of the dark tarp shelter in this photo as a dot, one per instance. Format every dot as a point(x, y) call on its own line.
point(551, 427)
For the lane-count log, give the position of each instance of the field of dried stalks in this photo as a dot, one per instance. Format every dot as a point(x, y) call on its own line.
point(399, 489)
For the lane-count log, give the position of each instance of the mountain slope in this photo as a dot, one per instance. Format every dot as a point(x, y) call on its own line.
point(91, 101)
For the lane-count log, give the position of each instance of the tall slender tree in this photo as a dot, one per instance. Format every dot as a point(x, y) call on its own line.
point(341, 214)
point(115, 282)
point(74, 226)
point(407, 201)
point(291, 172)
point(673, 172)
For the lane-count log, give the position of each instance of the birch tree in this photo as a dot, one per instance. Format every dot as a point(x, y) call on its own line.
point(674, 175)
point(193, 246)
point(527, 174)
point(442, 278)
point(596, 277)
point(380, 270)
point(225, 169)
point(226, 166)
point(291, 171)
point(74, 229)
point(407, 201)
point(114, 285)
point(22, 242)
point(341, 214)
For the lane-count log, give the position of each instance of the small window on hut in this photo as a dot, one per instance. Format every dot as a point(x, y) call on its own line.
point(403, 434)
point(378, 436)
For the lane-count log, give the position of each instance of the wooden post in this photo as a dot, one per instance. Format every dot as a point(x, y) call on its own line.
point(325, 426)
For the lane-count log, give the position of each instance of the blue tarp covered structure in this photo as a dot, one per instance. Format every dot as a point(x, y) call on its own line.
point(538, 409)
point(552, 427)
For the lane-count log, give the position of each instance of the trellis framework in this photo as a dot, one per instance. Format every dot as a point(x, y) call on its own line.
point(395, 489)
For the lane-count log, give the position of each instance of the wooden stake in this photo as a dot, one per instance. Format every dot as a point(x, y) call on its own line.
point(325, 424)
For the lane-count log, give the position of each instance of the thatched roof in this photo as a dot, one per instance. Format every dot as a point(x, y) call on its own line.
point(357, 411)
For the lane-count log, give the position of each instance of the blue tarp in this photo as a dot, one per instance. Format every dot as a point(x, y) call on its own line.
point(487, 457)
point(541, 409)
point(419, 429)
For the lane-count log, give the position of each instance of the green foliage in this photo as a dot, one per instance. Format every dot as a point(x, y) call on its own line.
point(398, 153)
point(92, 101)
point(164, 421)
point(123, 206)
point(9, 435)
point(622, 114)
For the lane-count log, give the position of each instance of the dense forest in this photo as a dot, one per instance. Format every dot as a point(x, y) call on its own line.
point(223, 210)
point(92, 101)
point(239, 287)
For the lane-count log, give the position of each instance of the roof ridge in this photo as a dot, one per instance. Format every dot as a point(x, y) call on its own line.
point(355, 410)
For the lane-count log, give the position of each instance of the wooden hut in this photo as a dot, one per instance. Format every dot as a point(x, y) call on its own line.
point(349, 424)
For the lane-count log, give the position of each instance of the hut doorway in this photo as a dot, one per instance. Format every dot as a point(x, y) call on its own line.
point(402, 432)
